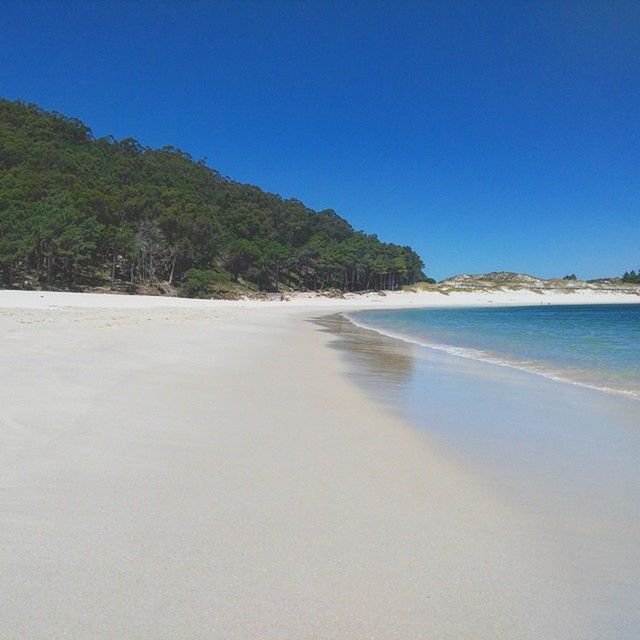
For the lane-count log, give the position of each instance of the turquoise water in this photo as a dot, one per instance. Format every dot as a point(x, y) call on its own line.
point(596, 346)
point(514, 396)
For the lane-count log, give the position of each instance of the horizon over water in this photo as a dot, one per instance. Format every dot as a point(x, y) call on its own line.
point(595, 346)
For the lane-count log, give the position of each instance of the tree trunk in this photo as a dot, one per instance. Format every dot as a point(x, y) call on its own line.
point(49, 269)
point(113, 267)
point(173, 266)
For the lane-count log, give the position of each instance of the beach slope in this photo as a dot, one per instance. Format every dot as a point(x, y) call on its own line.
point(210, 472)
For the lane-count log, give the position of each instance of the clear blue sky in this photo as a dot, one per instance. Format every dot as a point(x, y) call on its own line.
point(488, 135)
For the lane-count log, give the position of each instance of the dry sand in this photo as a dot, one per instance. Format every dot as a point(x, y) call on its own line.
point(208, 471)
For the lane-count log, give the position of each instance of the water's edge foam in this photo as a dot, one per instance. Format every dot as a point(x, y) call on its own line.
point(481, 356)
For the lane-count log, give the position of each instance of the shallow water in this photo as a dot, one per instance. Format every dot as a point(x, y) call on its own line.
point(596, 346)
point(567, 455)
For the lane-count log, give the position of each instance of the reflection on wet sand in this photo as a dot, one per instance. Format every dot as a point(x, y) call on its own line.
point(375, 358)
point(567, 456)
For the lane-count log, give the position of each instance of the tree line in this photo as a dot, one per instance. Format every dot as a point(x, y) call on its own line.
point(79, 211)
point(631, 276)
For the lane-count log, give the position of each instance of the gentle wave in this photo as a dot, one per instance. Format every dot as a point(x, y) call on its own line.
point(478, 355)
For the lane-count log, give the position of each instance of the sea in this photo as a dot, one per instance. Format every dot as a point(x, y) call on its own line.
point(542, 404)
point(596, 346)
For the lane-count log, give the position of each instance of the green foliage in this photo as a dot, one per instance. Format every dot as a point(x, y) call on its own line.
point(58, 237)
point(75, 209)
point(571, 276)
point(199, 283)
point(242, 255)
point(631, 276)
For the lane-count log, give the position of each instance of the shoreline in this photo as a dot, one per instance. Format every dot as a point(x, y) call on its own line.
point(494, 360)
point(564, 457)
point(211, 470)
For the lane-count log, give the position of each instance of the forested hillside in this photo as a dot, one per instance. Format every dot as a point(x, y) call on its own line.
point(79, 212)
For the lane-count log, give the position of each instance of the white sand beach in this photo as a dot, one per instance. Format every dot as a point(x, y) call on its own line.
point(192, 469)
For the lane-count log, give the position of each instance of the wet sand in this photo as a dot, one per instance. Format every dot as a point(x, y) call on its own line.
point(566, 455)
